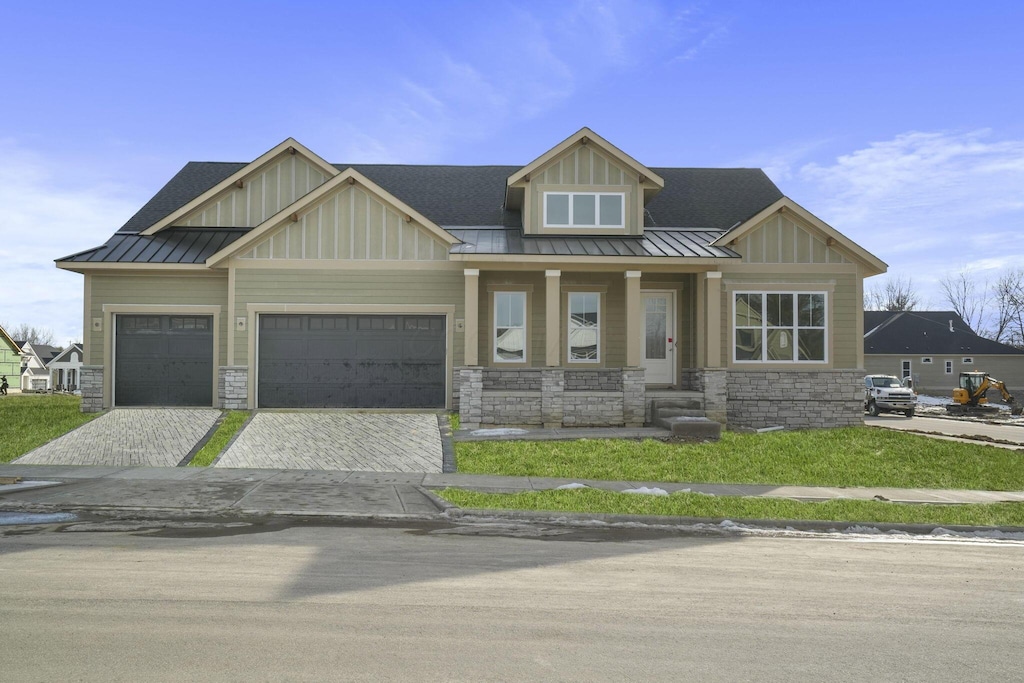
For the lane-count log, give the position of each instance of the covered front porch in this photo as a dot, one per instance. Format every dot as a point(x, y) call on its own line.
point(583, 347)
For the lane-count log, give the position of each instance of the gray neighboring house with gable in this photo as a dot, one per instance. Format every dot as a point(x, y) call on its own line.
point(566, 291)
point(933, 348)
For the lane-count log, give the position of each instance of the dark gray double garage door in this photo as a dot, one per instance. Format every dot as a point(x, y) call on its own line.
point(304, 361)
point(351, 361)
point(163, 360)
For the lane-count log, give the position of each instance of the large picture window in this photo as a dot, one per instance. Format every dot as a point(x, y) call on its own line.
point(584, 327)
point(779, 327)
point(510, 327)
point(584, 209)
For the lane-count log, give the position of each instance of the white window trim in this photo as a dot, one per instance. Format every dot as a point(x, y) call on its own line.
point(597, 211)
point(568, 336)
point(796, 328)
point(494, 328)
point(949, 367)
point(926, 360)
point(967, 360)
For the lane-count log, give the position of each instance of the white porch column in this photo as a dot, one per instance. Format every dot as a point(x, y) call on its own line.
point(553, 317)
point(472, 314)
point(713, 318)
point(634, 319)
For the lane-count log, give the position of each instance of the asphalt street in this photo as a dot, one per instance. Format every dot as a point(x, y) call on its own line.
point(441, 602)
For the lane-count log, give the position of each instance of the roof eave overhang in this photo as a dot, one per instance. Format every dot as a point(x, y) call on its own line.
point(871, 263)
point(706, 263)
point(89, 267)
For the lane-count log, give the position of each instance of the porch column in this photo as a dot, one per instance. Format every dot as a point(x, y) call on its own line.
point(553, 317)
point(634, 319)
point(713, 318)
point(472, 314)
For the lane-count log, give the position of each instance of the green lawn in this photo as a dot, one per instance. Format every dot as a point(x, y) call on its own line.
point(730, 507)
point(28, 421)
point(228, 427)
point(854, 456)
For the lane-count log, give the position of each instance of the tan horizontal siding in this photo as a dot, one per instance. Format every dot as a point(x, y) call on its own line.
point(207, 289)
point(341, 287)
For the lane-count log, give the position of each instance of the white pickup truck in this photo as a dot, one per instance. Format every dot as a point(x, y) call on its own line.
point(885, 394)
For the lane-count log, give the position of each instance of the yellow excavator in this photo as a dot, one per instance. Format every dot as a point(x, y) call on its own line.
point(970, 397)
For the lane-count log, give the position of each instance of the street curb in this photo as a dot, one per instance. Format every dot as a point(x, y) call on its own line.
point(656, 521)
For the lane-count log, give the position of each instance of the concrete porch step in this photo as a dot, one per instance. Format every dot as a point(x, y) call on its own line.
point(683, 402)
point(679, 412)
point(691, 427)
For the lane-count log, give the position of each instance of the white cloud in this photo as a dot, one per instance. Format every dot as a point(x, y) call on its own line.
point(472, 91)
point(47, 215)
point(927, 203)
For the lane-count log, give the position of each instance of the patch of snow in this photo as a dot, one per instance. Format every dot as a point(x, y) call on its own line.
point(574, 485)
point(654, 491)
point(924, 400)
point(500, 431)
point(762, 430)
point(690, 418)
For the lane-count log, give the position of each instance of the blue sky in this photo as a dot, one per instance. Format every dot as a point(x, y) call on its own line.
point(900, 123)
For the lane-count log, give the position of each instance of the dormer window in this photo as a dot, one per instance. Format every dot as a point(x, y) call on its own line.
point(584, 209)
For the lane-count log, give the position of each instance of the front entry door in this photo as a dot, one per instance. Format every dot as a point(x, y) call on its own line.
point(659, 340)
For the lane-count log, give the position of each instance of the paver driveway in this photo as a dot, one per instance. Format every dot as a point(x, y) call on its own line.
point(155, 437)
point(336, 440)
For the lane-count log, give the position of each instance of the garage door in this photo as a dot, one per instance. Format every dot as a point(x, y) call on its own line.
point(351, 361)
point(163, 360)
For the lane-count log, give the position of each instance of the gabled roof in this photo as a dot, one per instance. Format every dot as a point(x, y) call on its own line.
point(587, 137)
point(74, 347)
point(927, 333)
point(295, 210)
point(15, 346)
point(289, 146)
point(44, 352)
point(873, 264)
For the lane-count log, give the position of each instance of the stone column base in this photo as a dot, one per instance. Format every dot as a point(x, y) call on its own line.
point(91, 383)
point(233, 387)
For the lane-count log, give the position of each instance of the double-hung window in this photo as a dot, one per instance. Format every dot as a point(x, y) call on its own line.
point(510, 327)
point(584, 209)
point(584, 327)
point(779, 327)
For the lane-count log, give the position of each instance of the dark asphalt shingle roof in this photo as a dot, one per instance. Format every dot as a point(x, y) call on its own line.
point(464, 199)
point(926, 333)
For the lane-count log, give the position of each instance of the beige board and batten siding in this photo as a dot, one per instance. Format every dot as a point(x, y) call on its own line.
point(844, 308)
point(163, 292)
point(780, 239)
point(350, 224)
point(340, 290)
point(262, 195)
point(931, 378)
point(583, 169)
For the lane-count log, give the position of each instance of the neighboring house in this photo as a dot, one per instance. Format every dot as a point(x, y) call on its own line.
point(65, 369)
point(10, 359)
point(933, 348)
point(567, 291)
point(35, 376)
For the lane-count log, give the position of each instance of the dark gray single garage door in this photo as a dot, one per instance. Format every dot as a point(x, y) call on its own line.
point(163, 360)
point(351, 361)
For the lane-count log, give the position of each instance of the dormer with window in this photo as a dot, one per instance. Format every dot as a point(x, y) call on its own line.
point(583, 186)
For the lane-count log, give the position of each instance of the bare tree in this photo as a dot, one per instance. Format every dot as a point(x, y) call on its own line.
point(30, 333)
point(896, 294)
point(1008, 295)
point(967, 298)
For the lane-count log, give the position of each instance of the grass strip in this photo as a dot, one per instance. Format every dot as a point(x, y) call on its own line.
point(233, 421)
point(853, 456)
point(734, 507)
point(27, 421)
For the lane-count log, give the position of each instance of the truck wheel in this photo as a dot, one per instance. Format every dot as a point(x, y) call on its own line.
point(910, 413)
point(873, 410)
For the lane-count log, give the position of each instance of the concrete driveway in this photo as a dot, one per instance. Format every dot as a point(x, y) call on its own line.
point(154, 437)
point(338, 440)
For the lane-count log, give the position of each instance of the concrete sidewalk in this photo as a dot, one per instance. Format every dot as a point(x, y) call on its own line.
point(357, 494)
